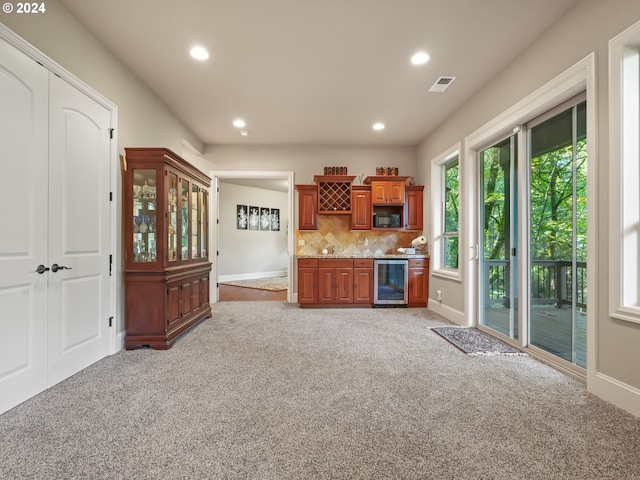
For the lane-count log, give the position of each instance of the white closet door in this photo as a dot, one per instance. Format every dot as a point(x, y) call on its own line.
point(23, 240)
point(79, 231)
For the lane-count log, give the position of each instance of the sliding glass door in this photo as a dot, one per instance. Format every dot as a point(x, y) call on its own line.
point(558, 233)
point(498, 238)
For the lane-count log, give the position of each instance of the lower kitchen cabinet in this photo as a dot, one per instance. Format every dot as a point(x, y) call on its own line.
point(307, 281)
point(363, 280)
point(346, 282)
point(335, 280)
point(418, 282)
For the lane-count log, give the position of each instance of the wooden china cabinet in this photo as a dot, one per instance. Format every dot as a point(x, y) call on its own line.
point(166, 238)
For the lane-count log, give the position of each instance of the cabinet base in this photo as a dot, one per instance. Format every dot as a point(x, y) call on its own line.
point(164, 341)
point(359, 305)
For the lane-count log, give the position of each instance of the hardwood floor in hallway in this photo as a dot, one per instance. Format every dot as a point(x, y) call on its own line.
point(229, 293)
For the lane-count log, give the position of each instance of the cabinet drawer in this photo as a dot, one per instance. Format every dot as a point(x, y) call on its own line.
point(418, 262)
point(308, 262)
point(335, 263)
point(363, 263)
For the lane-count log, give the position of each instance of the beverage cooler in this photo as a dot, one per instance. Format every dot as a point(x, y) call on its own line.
point(391, 278)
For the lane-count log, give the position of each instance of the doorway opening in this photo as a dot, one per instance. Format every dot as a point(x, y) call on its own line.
point(252, 238)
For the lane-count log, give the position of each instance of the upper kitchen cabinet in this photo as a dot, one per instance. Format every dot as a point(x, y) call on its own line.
point(387, 190)
point(413, 209)
point(307, 207)
point(361, 207)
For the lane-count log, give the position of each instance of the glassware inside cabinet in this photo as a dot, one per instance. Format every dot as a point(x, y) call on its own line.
point(195, 218)
point(184, 220)
point(144, 215)
point(172, 217)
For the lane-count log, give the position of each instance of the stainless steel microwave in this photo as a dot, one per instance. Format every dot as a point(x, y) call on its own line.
point(391, 220)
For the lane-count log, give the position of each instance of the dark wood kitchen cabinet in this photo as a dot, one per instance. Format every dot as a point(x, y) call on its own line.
point(418, 282)
point(167, 268)
point(413, 207)
point(387, 191)
point(361, 212)
point(348, 282)
point(307, 207)
point(335, 280)
point(363, 280)
point(307, 281)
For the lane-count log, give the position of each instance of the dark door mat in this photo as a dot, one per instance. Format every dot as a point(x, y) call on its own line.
point(474, 342)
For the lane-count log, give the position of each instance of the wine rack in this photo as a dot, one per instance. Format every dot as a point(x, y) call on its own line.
point(334, 193)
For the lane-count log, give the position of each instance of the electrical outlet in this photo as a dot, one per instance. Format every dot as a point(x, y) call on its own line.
point(439, 295)
point(301, 243)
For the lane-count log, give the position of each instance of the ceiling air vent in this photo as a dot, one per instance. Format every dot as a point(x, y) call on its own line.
point(442, 83)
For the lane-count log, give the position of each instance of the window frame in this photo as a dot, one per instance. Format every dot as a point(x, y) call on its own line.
point(438, 186)
point(624, 159)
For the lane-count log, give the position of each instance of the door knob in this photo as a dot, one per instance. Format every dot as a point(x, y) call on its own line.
point(41, 269)
point(55, 267)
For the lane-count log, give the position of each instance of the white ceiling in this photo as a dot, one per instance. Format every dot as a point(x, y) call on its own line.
point(316, 71)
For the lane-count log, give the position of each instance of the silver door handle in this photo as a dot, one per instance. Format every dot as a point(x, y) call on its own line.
point(55, 267)
point(41, 269)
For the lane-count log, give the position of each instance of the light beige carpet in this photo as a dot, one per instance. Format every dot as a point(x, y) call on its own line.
point(274, 284)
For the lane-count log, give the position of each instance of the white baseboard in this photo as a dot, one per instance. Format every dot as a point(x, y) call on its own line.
point(119, 341)
point(616, 392)
point(251, 276)
point(451, 314)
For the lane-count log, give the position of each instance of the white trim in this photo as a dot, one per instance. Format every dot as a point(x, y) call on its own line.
point(578, 78)
point(451, 314)
point(618, 393)
point(213, 237)
point(437, 188)
point(114, 172)
point(624, 194)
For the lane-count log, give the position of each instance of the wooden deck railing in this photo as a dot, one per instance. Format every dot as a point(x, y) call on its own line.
point(551, 282)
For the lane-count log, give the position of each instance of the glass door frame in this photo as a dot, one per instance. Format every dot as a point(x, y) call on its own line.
point(570, 103)
point(517, 228)
point(522, 230)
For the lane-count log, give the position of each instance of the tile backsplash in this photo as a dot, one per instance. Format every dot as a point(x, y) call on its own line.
point(333, 230)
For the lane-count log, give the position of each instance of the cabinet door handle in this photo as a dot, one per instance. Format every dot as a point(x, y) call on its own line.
point(41, 269)
point(55, 267)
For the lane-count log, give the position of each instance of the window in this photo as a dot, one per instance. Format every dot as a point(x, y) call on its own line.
point(445, 187)
point(451, 208)
point(624, 94)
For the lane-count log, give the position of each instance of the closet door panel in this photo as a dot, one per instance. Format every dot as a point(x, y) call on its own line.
point(79, 233)
point(23, 242)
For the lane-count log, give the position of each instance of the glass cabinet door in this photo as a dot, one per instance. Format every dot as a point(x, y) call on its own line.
point(172, 217)
point(204, 222)
point(195, 219)
point(144, 215)
point(184, 220)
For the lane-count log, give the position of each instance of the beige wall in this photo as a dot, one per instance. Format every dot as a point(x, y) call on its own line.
point(143, 120)
point(309, 160)
point(587, 28)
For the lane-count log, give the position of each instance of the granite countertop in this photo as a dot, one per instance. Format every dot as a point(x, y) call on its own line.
point(366, 255)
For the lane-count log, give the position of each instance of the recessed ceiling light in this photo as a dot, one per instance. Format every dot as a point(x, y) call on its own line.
point(420, 58)
point(199, 53)
point(239, 123)
point(244, 133)
point(378, 126)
